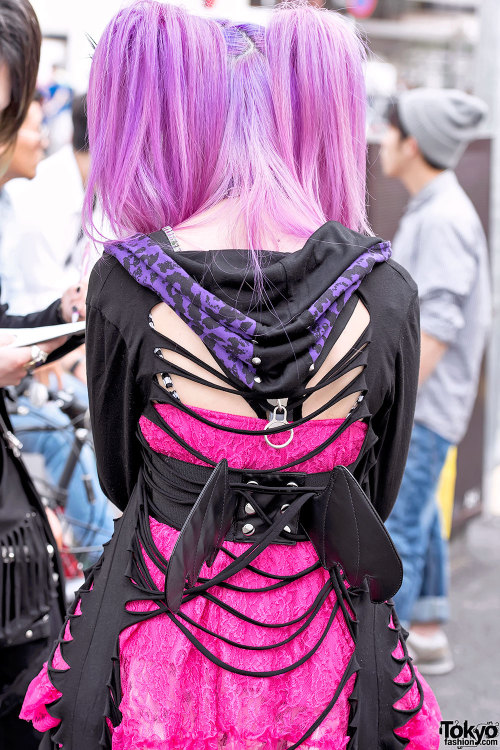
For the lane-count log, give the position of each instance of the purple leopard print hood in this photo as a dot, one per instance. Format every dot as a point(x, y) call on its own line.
point(305, 293)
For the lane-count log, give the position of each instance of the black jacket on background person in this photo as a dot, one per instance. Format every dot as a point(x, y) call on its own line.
point(32, 608)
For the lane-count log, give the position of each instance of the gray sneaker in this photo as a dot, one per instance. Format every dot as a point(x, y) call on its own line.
point(431, 654)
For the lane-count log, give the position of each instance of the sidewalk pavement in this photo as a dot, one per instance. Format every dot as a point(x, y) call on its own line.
point(472, 690)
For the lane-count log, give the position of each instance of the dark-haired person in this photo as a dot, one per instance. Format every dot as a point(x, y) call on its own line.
point(20, 40)
point(441, 243)
point(28, 613)
point(44, 231)
point(54, 445)
point(28, 151)
point(45, 228)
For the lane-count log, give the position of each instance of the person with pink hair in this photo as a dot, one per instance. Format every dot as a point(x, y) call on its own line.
point(252, 366)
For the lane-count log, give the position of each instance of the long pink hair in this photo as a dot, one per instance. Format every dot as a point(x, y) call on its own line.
point(185, 111)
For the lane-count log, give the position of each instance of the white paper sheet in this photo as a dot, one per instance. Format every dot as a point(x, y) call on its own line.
point(30, 336)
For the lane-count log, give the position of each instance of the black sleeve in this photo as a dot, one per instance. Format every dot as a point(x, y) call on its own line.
point(48, 317)
point(115, 407)
point(394, 423)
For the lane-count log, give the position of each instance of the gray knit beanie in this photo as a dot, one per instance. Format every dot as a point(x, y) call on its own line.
point(442, 121)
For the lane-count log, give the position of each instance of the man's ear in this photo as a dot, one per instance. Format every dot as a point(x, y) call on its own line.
point(410, 146)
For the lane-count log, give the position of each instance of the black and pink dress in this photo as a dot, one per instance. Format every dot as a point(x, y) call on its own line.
point(244, 600)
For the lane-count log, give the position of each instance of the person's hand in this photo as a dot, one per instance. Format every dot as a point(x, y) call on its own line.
point(5, 339)
point(49, 346)
point(15, 361)
point(73, 301)
point(13, 364)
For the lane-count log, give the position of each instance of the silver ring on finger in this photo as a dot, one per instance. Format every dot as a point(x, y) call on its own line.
point(38, 357)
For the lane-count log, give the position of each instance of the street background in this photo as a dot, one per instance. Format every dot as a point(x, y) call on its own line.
point(472, 690)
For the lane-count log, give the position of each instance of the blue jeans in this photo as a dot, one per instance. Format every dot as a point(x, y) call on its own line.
point(415, 528)
point(92, 524)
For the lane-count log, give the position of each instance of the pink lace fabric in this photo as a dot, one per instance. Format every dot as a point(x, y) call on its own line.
point(42, 692)
point(252, 451)
point(173, 697)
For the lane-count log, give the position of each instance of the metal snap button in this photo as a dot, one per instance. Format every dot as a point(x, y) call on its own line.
point(50, 549)
point(284, 507)
point(248, 529)
point(249, 509)
point(257, 380)
point(292, 484)
point(29, 634)
point(256, 360)
point(311, 367)
point(287, 529)
point(252, 481)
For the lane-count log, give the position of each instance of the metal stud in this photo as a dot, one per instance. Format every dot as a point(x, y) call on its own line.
point(249, 509)
point(248, 529)
point(287, 529)
point(256, 360)
point(29, 634)
point(50, 549)
point(292, 484)
point(159, 352)
point(284, 507)
point(257, 380)
point(252, 481)
point(11, 555)
point(311, 367)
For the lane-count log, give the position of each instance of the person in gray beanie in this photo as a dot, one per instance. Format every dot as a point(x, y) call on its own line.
point(440, 241)
point(442, 123)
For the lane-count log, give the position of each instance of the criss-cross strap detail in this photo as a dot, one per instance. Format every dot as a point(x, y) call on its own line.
point(233, 337)
point(305, 348)
point(256, 359)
